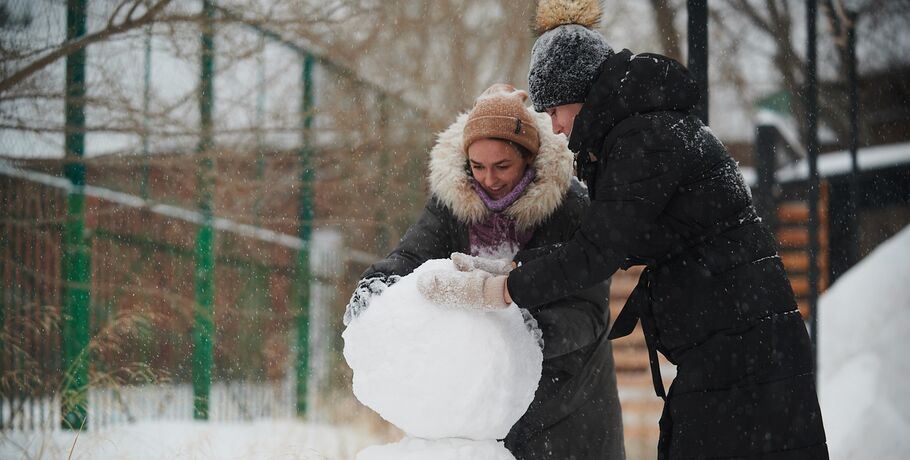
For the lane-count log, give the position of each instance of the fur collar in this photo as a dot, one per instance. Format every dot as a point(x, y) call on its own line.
point(450, 181)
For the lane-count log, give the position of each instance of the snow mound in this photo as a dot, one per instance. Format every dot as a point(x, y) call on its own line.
point(284, 439)
point(441, 449)
point(863, 367)
point(442, 372)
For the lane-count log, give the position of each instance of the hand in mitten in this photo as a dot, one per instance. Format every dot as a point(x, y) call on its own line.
point(466, 263)
point(475, 289)
point(364, 292)
point(533, 327)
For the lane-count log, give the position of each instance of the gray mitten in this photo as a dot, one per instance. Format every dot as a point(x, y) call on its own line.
point(533, 328)
point(364, 292)
point(477, 289)
point(466, 263)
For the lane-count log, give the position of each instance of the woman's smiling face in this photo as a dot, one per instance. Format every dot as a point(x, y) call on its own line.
point(496, 165)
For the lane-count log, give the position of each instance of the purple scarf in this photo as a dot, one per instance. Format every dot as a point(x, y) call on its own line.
point(496, 235)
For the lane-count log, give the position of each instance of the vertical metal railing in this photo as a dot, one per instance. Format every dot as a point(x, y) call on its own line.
point(305, 230)
point(853, 96)
point(766, 163)
point(811, 99)
point(204, 326)
point(76, 255)
point(698, 51)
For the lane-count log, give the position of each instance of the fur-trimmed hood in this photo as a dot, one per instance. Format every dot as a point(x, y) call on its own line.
point(450, 182)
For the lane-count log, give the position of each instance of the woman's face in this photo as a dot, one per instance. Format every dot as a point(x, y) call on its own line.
point(497, 166)
point(563, 117)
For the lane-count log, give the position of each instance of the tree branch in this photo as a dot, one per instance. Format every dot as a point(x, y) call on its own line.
point(110, 20)
point(756, 18)
point(67, 48)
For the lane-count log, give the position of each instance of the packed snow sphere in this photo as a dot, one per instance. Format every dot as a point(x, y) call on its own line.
point(442, 372)
point(437, 449)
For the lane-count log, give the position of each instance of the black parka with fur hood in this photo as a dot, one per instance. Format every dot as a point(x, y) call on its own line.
point(575, 413)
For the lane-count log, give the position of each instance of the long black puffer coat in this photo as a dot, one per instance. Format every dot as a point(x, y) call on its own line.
point(714, 298)
point(575, 413)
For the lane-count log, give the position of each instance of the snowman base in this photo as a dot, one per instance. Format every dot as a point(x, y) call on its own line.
point(454, 380)
point(437, 449)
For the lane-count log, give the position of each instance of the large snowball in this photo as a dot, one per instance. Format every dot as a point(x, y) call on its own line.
point(439, 372)
point(438, 449)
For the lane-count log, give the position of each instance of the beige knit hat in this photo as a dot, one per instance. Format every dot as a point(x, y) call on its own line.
point(500, 113)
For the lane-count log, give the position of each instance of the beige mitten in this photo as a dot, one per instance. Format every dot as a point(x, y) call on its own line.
point(477, 289)
point(466, 263)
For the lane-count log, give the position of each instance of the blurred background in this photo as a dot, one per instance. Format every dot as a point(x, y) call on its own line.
point(190, 189)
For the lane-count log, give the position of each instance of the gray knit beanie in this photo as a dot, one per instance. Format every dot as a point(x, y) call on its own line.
point(567, 54)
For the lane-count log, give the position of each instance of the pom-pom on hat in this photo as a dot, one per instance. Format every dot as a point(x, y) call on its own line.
point(566, 56)
point(500, 113)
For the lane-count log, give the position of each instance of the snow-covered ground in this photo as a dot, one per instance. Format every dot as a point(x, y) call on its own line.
point(864, 369)
point(265, 440)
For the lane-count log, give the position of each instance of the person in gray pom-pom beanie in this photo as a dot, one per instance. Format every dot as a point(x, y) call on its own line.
point(567, 55)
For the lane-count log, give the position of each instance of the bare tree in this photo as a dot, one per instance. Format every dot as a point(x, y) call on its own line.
point(779, 22)
point(665, 15)
point(441, 54)
point(126, 16)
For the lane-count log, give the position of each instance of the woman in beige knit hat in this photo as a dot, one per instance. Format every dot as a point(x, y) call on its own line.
point(500, 141)
point(501, 182)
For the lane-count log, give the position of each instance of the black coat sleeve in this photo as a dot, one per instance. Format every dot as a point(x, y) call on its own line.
point(574, 322)
point(431, 237)
point(636, 180)
point(577, 321)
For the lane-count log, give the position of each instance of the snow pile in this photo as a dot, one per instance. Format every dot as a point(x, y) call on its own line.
point(442, 449)
point(442, 372)
point(863, 366)
point(192, 440)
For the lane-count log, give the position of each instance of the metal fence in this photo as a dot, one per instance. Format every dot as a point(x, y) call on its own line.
point(140, 337)
point(160, 249)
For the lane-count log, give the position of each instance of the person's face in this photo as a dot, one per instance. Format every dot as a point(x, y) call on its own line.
point(563, 117)
point(497, 166)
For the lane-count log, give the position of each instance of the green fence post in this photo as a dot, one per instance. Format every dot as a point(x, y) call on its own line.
point(204, 321)
point(305, 229)
point(76, 263)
